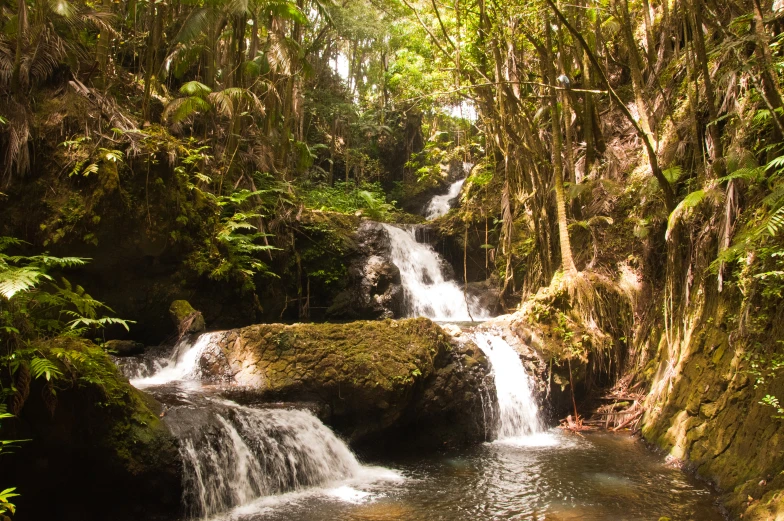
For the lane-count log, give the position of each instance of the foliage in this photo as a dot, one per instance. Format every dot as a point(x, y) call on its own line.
point(233, 251)
point(34, 304)
point(368, 198)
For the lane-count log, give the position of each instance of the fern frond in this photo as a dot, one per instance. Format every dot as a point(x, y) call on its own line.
point(43, 367)
point(14, 280)
point(684, 207)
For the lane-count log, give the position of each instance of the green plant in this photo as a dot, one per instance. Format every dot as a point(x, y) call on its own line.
point(233, 249)
point(772, 401)
point(348, 198)
point(33, 304)
point(6, 506)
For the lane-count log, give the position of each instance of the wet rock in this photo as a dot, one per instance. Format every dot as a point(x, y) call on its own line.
point(185, 318)
point(124, 347)
point(373, 287)
point(486, 294)
point(373, 378)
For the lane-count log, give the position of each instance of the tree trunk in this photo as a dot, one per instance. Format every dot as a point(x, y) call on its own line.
point(557, 149)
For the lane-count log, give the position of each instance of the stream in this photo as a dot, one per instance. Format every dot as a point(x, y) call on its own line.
point(281, 463)
point(554, 476)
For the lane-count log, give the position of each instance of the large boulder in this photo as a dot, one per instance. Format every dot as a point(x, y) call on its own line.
point(88, 430)
point(373, 286)
point(368, 378)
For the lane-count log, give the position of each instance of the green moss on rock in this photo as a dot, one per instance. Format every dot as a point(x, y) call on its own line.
point(370, 375)
point(185, 318)
point(91, 430)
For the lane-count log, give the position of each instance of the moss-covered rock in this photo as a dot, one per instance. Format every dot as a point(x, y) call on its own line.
point(185, 318)
point(706, 409)
point(92, 439)
point(371, 376)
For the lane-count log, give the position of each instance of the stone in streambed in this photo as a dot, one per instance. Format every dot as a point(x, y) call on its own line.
point(124, 347)
point(374, 377)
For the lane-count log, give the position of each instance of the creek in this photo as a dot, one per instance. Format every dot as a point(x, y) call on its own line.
point(271, 462)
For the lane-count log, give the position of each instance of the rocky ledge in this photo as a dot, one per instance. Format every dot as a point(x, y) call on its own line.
point(406, 378)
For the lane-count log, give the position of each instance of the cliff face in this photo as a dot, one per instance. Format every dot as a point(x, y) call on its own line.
point(705, 407)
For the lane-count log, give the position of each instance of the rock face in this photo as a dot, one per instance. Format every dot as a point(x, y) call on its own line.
point(712, 415)
point(368, 378)
point(90, 444)
point(374, 289)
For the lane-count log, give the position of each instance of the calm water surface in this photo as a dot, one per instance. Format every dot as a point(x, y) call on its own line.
point(550, 476)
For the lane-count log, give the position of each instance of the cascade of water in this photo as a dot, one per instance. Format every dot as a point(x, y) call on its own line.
point(440, 204)
point(426, 292)
point(518, 413)
point(183, 364)
point(233, 454)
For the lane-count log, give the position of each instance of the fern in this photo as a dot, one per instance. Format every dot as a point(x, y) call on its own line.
point(15, 280)
point(42, 307)
point(43, 367)
point(776, 222)
point(5, 504)
point(684, 208)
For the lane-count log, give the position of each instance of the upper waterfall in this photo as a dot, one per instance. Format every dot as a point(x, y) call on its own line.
point(440, 204)
point(426, 292)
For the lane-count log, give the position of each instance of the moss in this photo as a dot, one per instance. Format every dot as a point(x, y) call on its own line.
point(713, 417)
point(96, 433)
point(361, 370)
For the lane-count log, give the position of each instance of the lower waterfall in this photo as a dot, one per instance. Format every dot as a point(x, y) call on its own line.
point(232, 454)
point(518, 412)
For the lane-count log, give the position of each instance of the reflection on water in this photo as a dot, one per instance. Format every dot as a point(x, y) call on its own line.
point(552, 476)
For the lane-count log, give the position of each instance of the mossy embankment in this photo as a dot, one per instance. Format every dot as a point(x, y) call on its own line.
point(91, 438)
point(706, 407)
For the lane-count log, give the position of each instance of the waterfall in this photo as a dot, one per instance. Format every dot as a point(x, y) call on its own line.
point(183, 364)
point(440, 204)
point(232, 454)
point(426, 292)
point(518, 413)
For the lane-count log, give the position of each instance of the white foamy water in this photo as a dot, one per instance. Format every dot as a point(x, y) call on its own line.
point(426, 292)
point(234, 455)
point(440, 204)
point(518, 412)
point(237, 457)
point(183, 363)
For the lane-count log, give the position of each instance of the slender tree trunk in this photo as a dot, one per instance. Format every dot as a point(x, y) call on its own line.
point(104, 44)
point(560, 197)
point(770, 88)
point(149, 65)
point(717, 151)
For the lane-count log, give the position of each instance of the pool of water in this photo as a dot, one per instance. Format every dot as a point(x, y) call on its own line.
point(549, 476)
